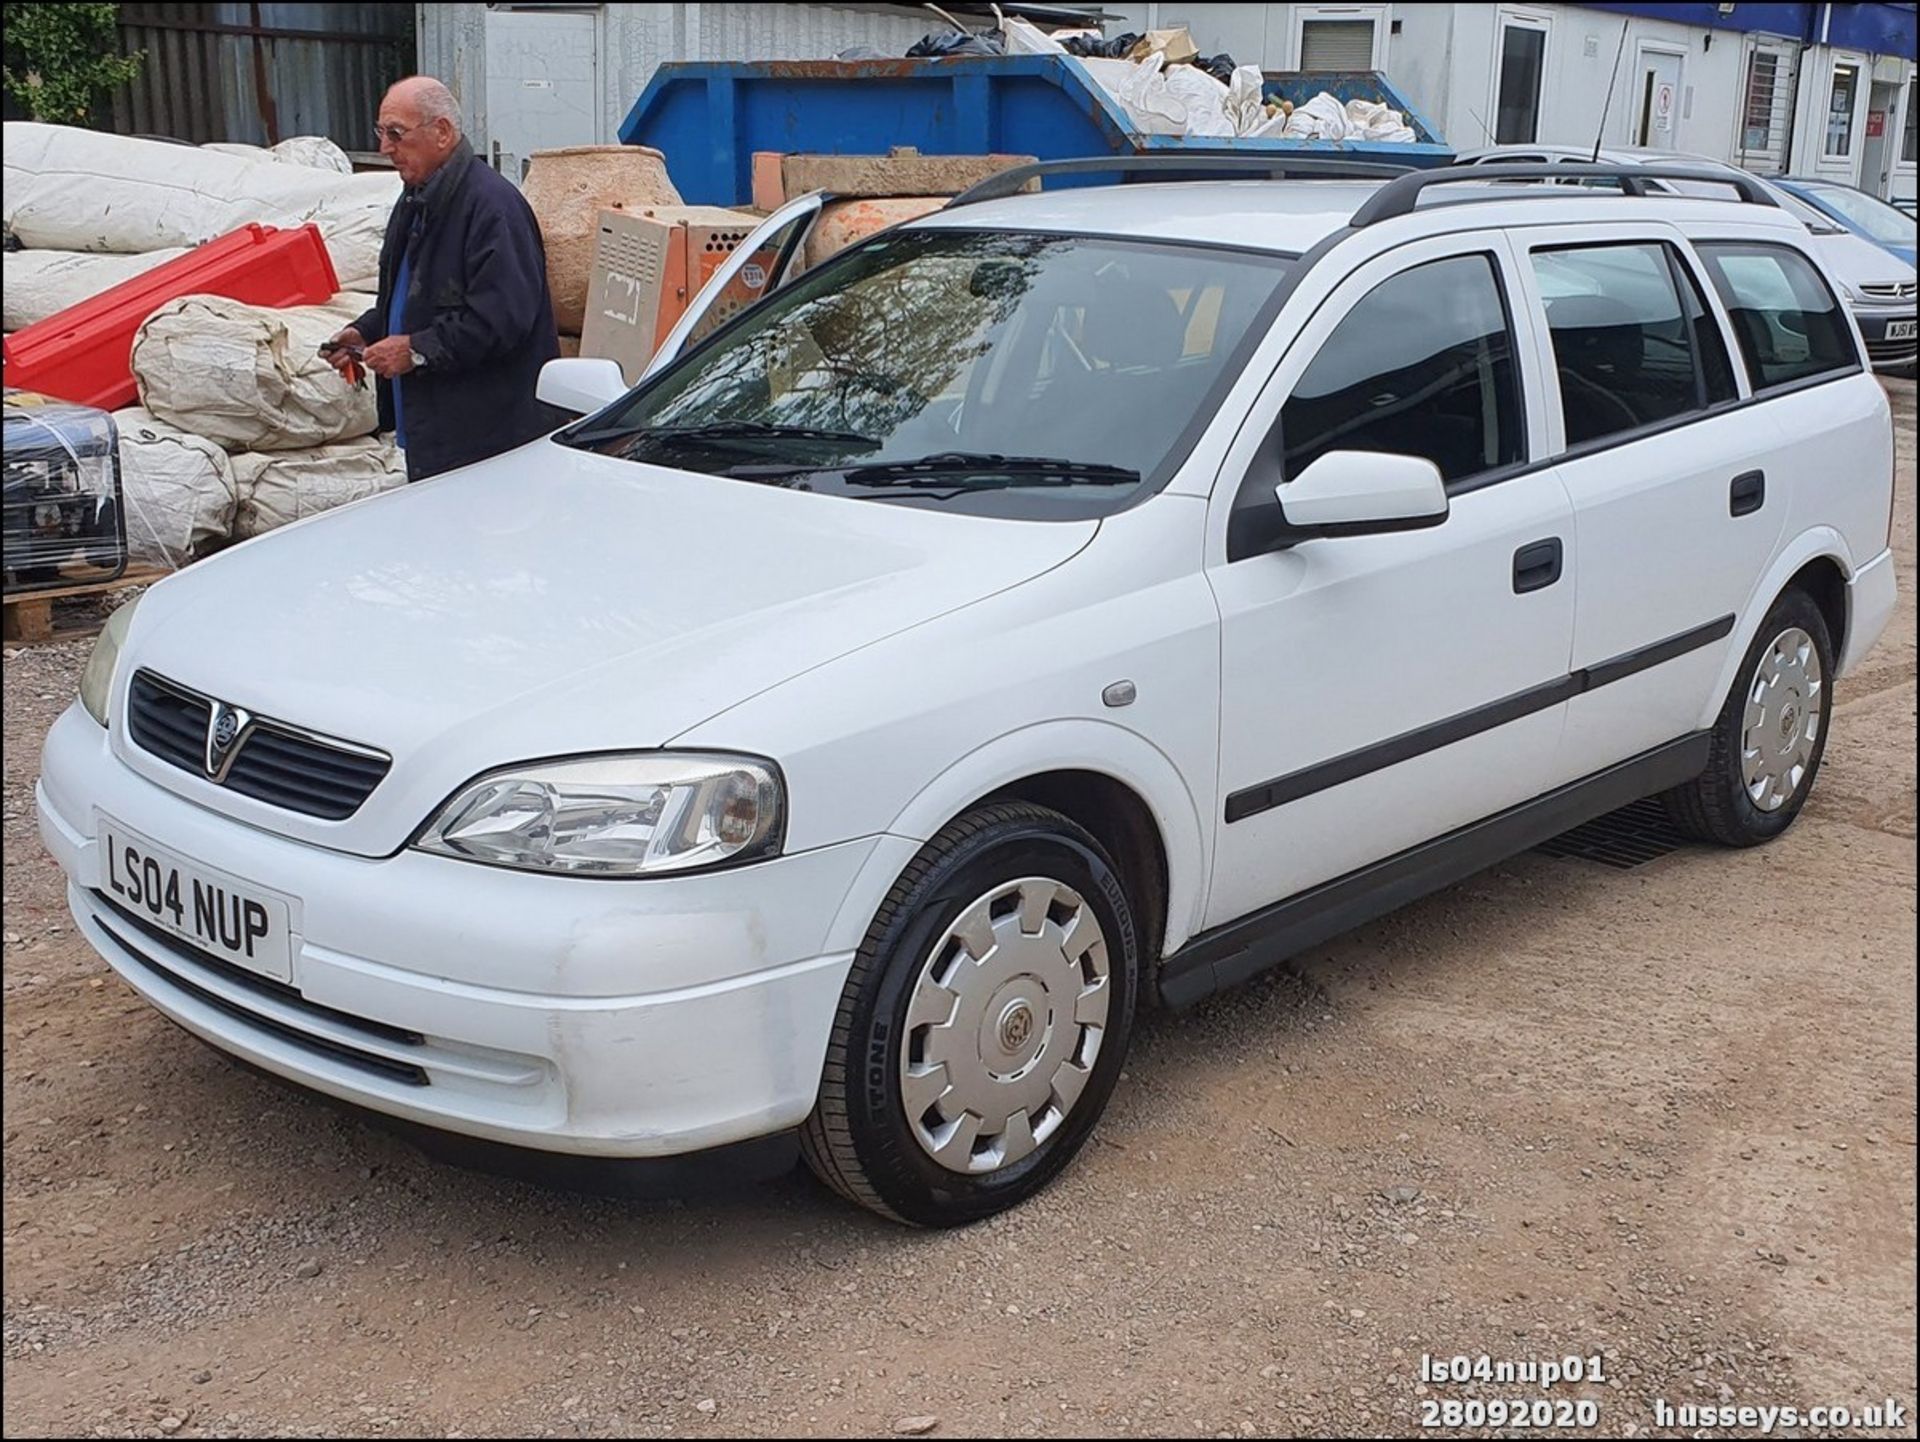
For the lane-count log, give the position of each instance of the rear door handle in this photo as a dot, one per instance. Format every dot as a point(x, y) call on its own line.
point(1748, 493)
point(1536, 565)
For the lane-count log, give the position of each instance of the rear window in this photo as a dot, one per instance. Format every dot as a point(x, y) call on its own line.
point(1624, 347)
point(1789, 325)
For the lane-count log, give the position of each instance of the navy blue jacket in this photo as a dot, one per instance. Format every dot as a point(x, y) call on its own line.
point(477, 310)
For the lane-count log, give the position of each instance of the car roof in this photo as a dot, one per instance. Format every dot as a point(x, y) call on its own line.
point(1288, 217)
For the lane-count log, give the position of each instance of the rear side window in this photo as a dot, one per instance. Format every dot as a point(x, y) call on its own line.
point(1624, 346)
point(1787, 321)
point(1423, 366)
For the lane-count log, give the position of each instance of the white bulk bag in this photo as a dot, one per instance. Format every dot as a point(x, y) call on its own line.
point(248, 376)
point(40, 283)
point(277, 488)
point(178, 490)
point(71, 189)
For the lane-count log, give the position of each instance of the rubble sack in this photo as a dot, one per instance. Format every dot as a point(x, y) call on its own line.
point(178, 490)
point(279, 487)
point(250, 377)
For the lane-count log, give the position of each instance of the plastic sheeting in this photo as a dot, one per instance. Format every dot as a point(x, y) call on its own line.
point(314, 151)
point(250, 377)
point(178, 490)
point(70, 189)
point(281, 487)
point(41, 283)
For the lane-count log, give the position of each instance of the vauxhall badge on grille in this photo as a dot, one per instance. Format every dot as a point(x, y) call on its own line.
point(226, 727)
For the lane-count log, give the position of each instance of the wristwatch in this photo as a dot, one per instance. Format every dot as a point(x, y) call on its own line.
point(419, 361)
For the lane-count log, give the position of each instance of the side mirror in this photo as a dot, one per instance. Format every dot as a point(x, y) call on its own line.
point(574, 383)
point(1361, 493)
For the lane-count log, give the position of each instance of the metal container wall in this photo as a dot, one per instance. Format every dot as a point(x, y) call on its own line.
point(261, 73)
point(709, 118)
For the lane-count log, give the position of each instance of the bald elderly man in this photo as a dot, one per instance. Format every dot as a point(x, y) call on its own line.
point(464, 321)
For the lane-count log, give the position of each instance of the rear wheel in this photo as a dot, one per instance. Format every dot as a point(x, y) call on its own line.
point(1771, 734)
point(983, 1025)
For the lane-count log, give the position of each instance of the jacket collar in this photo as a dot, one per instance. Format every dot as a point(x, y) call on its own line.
point(444, 183)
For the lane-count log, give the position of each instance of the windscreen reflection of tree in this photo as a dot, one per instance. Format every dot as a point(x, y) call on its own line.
point(871, 354)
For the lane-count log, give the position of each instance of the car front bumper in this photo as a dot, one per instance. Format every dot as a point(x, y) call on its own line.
point(634, 1018)
point(1885, 353)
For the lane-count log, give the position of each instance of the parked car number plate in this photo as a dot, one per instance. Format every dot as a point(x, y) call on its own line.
point(231, 919)
point(1899, 330)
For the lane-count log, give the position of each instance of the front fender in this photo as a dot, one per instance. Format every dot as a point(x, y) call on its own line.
point(1112, 751)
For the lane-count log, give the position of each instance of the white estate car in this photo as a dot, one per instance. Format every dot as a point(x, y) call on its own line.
point(1068, 600)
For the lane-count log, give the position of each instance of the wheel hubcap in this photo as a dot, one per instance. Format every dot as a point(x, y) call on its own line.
point(1782, 721)
point(1004, 1025)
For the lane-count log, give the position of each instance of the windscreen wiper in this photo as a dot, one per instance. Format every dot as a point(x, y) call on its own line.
point(724, 431)
point(1025, 470)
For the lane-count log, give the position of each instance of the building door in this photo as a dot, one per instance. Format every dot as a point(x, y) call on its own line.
point(543, 84)
point(1657, 100)
point(1878, 141)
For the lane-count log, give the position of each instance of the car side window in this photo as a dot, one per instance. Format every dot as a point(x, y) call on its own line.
point(1623, 345)
point(1423, 365)
point(1785, 318)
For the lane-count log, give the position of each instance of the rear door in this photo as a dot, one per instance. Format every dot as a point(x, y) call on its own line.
point(1677, 511)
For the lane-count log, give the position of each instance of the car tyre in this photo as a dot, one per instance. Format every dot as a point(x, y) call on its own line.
point(1000, 976)
point(1771, 734)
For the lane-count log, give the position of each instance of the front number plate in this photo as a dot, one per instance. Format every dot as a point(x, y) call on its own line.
point(1900, 330)
point(230, 919)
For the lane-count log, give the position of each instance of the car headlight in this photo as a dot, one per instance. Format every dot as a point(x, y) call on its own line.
point(625, 815)
point(96, 682)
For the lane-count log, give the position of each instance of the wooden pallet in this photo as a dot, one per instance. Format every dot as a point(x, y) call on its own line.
point(31, 616)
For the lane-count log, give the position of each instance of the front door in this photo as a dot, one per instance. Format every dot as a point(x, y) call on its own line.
point(1378, 691)
point(1657, 118)
point(543, 86)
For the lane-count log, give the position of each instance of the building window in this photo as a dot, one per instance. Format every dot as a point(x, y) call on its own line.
point(1336, 44)
point(1846, 79)
point(1760, 120)
point(1523, 55)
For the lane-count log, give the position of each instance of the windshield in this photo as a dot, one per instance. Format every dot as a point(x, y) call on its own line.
point(1873, 218)
point(1040, 376)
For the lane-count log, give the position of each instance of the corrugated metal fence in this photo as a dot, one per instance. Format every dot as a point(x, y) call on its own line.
point(260, 73)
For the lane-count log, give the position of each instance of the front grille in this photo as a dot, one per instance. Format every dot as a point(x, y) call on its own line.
point(1892, 352)
point(274, 762)
point(181, 957)
point(1891, 290)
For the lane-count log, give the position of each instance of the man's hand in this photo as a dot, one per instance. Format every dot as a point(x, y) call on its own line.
point(390, 357)
point(345, 355)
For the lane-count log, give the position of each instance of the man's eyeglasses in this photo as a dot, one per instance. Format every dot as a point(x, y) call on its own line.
point(393, 133)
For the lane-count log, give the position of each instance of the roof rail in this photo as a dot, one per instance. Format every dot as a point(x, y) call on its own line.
point(1181, 166)
point(1399, 197)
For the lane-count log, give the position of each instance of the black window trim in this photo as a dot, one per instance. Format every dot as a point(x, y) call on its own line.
point(1703, 247)
point(1681, 283)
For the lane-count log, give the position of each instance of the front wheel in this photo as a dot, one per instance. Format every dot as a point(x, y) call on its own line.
point(1770, 736)
point(983, 1025)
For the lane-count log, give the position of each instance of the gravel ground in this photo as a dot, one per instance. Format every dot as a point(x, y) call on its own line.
point(1666, 1116)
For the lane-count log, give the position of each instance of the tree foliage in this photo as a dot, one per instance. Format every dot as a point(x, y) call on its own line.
point(61, 58)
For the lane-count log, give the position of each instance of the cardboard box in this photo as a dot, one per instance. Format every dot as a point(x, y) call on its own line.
point(648, 265)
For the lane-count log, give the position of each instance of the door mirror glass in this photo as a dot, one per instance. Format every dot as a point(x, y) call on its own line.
point(1358, 493)
point(580, 385)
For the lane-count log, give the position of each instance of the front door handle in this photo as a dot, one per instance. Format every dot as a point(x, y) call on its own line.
point(1536, 565)
point(1748, 493)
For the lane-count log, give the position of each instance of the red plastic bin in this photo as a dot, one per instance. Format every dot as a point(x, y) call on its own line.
point(84, 353)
